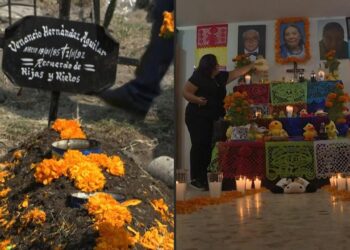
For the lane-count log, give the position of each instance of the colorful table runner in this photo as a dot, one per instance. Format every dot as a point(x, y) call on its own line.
point(317, 92)
point(288, 93)
point(331, 157)
point(289, 159)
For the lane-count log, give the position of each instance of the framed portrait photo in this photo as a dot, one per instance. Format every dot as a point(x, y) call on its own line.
point(251, 40)
point(292, 41)
point(333, 35)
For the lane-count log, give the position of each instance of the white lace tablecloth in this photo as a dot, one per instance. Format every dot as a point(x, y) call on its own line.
point(331, 157)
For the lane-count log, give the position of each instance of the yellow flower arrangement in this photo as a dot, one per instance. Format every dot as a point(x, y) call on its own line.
point(336, 104)
point(35, 216)
point(87, 176)
point(161, 207)
point(68, 129)
point(332, 65)
point(167, 28)
point(158, 237)
point(85, 171)
point(237, 107)
point(110, 217)
point(49, 169)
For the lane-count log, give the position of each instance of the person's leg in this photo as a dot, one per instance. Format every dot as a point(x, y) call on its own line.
point(200, 130)
point(138, 94)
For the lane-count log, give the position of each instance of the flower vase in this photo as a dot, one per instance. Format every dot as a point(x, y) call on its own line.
point(215, 183)
point(240, 133)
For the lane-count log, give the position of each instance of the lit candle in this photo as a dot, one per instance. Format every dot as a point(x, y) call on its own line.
point(257, 183)
point(321, 75)
point(180, 191)
point(247, 79)
point(289, 110)
point(341, 183)
point(240, 184)
point(248, 184)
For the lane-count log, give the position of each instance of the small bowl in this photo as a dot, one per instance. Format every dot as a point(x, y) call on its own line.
point(86, 147)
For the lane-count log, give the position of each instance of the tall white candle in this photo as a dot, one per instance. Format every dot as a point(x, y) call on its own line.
point(257, 183)
point(341, 182)
point(248, 79)
point(240, 184)
point(180, 191)
point(248, 184)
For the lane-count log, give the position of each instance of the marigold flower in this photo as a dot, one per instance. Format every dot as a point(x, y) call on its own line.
point(113, 238)
point(342, 98)
point(87, 176)
point(35, 216)
point(100, 159)
point(5, 244)
point(167, 28)
point(158, 237)
point(48, 170)
point(3, 175)
point(68, 129)
point(18, 154)
point(116, 166)
point(332, 95)
point(329, 104)
point(4, 193)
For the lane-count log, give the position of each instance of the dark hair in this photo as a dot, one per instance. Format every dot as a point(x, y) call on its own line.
point(207, 64)
point(333, 26)
point(301, 42)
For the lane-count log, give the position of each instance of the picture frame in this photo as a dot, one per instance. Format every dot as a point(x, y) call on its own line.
point(252, 40)
point(292, 40)
point(333, 34)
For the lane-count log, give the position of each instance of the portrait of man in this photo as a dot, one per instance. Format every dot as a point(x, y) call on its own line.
point(251, 40)
point(332, 36)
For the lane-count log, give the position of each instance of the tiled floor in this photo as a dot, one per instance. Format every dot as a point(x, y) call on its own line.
point(267, 221)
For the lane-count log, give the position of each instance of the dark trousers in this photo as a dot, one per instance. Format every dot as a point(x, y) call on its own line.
point(201, 132)
point(155, 61)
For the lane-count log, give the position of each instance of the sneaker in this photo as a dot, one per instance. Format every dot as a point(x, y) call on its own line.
point(197, 185)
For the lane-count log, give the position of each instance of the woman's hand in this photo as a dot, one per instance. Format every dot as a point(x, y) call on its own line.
point(201, 101)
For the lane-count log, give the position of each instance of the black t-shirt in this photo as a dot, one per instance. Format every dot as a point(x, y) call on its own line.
point(214, 90)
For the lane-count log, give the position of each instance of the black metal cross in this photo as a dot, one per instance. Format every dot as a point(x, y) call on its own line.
point(295, 70)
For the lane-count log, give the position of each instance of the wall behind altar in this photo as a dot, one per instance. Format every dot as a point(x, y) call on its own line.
point(186, 42)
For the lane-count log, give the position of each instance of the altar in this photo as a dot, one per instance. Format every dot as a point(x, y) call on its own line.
point(270, 160)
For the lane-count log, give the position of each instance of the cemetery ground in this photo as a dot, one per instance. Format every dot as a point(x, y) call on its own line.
point(23, 126)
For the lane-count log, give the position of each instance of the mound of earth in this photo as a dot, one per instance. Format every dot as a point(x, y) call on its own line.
point(67, 227)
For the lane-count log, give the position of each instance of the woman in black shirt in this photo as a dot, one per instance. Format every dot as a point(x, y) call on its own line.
point(205, 91)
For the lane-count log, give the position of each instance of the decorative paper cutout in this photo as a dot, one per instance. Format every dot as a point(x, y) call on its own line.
point(289, 159)
point(288, 93)
point(259, 93)
point(332, 157)
point(212, 36)
point(317, 92)
point(242, 158)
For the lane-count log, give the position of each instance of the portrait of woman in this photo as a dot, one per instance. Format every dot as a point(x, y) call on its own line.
point(292, 44)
